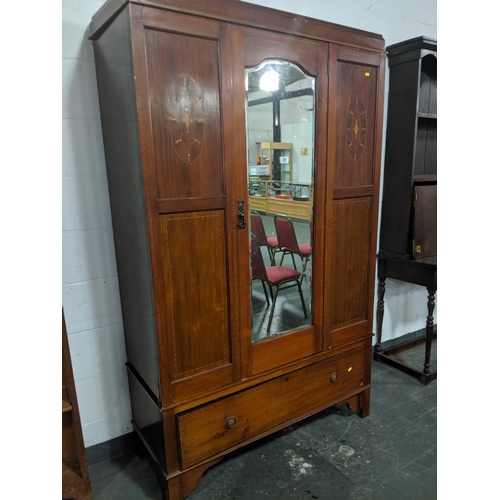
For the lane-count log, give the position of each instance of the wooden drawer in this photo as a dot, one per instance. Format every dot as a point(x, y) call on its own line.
point(267, 407)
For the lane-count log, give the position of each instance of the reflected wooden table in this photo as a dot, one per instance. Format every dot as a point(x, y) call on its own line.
point(421, 272)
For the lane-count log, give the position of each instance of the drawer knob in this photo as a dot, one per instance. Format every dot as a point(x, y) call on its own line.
point(333, 378)
point(230, 422)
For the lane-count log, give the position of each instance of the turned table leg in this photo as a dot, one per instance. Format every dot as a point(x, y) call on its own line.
point(429, 329)
point(380, 312)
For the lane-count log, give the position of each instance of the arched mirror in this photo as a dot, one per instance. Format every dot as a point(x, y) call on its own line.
point(280, 101)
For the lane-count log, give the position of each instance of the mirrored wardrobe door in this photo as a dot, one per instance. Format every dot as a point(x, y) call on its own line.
point(280, 102)
point(285, 104)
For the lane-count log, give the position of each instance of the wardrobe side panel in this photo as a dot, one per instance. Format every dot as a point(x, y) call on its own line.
point(115, 79)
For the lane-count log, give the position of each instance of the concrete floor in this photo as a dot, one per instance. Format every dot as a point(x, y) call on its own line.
point(334, 455)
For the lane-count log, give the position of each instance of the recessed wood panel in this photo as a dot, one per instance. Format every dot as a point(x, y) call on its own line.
point(183, 83)
point(194, 262)
point(426, 147)
point(427, 99)
point(424, 221)
point(355, 124)
point(351, 249)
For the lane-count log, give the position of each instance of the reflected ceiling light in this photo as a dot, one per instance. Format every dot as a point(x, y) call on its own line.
point(270, 81)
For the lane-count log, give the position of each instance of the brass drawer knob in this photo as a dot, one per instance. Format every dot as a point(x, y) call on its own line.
point(230, 422)
point(333, 378)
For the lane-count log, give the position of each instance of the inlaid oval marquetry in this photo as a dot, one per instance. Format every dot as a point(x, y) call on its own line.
point(185, 106)
point(356, 128)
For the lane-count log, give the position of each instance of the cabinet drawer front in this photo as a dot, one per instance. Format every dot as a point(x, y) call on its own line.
point(267, 407)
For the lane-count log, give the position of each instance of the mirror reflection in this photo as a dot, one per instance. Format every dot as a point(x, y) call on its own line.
point(280, 157)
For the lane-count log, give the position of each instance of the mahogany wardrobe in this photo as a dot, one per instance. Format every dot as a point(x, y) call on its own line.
point(181, 87)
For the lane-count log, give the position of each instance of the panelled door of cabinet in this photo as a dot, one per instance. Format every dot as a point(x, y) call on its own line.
point(312, 58)
point(183, 87)
point(356, 91)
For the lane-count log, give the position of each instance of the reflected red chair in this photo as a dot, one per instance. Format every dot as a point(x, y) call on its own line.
point(258, 230)
point(279, 277)
point(287, 240)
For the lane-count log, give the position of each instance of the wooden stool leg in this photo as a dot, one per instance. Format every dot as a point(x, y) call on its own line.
point(429, 330)
point(380, 312)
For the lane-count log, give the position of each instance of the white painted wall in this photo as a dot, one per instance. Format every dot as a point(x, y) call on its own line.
point(89, 278)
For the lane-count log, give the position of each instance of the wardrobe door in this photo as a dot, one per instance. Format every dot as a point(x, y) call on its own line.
point(356, 94)
point(295, 111)
point(183, 86)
